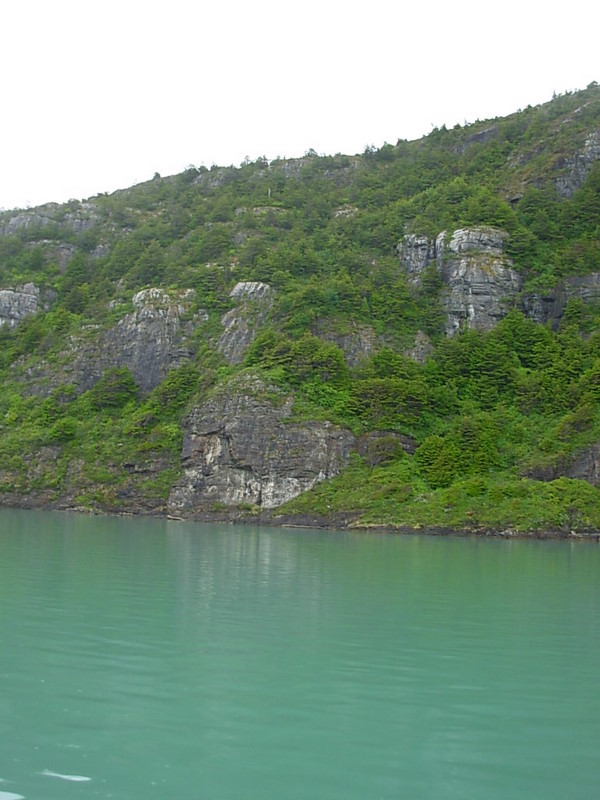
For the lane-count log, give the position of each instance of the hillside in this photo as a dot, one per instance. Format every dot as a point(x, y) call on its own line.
point(406, 337)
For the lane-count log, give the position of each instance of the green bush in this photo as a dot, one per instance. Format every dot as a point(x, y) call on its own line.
point(114, 389)
point(63, 430)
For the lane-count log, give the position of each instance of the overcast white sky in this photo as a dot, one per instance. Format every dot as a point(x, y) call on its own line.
point(98, 96)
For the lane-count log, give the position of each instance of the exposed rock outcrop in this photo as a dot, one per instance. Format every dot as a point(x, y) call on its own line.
point(583, 287)
point(480, 137)
point(584, 466)
point(18, 303)
point(240, 448)
point(356, 344)
point(576, 168)
point(550, 306)
point(80, 217)
point(416, 253)
point(479, 279)
point(242, 323)
point(543, 307)
point(421, 349)
point(151, 340)
point(345, 211)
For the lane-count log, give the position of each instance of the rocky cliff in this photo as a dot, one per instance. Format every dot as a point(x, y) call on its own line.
point(576, 167)
point(18, 303)
point(150, 340)
point(479, 281)
point(550, 305)
point(76, 218)
point(241, 324)
point(241, 447)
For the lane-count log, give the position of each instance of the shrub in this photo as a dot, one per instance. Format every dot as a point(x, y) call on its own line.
point(114, 389)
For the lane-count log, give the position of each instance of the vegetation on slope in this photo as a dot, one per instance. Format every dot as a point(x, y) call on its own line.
point(490, 412)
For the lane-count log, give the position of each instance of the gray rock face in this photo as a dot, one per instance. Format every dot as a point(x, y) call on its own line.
point(291, 168)
point(250, 290)
point(23, 220)
point(479, 241)
point(480, 137)
point(545, 307)
point(18, 303)
point(416, 253)
point(150, 341)
point(577, 167)
point(80, 218)
point(583, 287)
point(586, 466)
point(479, 279)
point(238, 448)
point(241, 324)
point(356, 344)
point(422, 348)
point(550, 306)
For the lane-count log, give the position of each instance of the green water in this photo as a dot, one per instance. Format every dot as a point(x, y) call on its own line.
point(173, 660)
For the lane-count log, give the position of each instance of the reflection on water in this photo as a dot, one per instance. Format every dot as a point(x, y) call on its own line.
point(146, 658)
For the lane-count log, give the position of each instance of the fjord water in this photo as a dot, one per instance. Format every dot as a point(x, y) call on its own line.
point(151, 658)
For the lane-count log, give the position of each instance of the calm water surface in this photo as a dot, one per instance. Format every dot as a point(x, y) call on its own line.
point(148, 658)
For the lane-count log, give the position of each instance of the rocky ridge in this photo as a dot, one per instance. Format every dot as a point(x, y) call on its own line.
point(81, 217)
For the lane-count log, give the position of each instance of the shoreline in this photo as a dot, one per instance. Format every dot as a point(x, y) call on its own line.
point(339, 521)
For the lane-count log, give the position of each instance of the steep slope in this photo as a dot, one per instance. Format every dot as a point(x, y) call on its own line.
point(441, 296)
